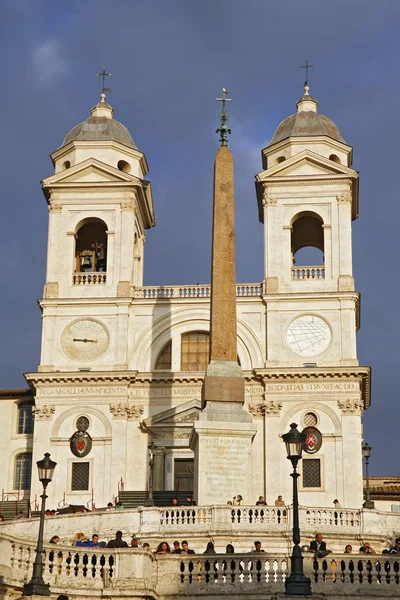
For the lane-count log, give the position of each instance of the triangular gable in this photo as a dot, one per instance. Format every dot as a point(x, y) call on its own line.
point(90, 170)
point(306, 163)
point(185, 413)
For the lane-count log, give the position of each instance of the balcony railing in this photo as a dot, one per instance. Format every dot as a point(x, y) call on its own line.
point(110, 571)
point(89, 278)
point(194, 291)
point(302, 273)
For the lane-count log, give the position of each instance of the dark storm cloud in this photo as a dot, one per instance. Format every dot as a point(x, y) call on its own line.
point(169, 60)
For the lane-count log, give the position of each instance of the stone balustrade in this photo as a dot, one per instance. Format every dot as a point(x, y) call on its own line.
point(138, 573)
point(89, 278)
point(193, 291)
point(301, 273)
point(197, 523)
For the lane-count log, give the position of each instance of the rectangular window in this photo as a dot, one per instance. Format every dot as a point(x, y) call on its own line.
point(195, 351)
point(25, 418)
point(311, 473)
point(80, 476)
point(22, 471)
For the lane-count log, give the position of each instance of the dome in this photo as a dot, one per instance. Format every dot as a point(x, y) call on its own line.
point(306, 122)
point(100, 127)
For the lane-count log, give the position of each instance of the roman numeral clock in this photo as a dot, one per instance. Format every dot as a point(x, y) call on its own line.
point(84, 340)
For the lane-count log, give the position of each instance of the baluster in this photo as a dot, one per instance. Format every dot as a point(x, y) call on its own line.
point(351, 569)
point(216, 568)
point(360, 568)
point(333, 570)
point(368, 568)
point(378, 568)
point(68, 564)
point(76, 562)
point(258, 569)
point(224, 568)
point(85, 561)
point(342, 571)
point(241, 571)
point(396, 572)
point(190, 569)
point(316, 570)
point(387, 570)
point(182, 570)
point(50, 560)
point(207, 570)
point(267, 568)
point(111, 565)
point(233, 569)
point(275, 567)
point(283, 568)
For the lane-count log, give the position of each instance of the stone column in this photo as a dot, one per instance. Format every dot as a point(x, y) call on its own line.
point(352, 454)
point(159, 468)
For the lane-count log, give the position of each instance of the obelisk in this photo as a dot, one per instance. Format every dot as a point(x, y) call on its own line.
point(222, 437)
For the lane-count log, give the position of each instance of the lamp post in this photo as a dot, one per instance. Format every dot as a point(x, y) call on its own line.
point(366, 452)
point(150, 499)
point(37, 586)
point(297, 584)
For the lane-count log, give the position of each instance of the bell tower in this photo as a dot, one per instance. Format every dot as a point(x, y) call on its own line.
point(99, 208)
point(307, 199)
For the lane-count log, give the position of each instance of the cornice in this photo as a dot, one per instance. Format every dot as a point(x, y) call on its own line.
point(154, 380)
point(79, 378)
point(294, 375)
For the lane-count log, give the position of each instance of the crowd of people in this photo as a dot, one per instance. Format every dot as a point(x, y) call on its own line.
point(317, 546)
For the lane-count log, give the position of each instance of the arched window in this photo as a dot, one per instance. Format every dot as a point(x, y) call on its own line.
point(25, 417)
point(22, 471)
point(91, 247)
point(164, 358)
point(335, 158)
point(307, 240)
point(195, 351)
point(280, 159)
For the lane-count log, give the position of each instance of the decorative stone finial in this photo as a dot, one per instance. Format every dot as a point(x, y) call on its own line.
point(223, 130)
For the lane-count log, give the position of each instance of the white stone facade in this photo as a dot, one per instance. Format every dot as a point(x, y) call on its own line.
point(103, 331)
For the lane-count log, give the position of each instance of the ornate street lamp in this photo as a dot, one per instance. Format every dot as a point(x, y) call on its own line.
point(297, 584)
point(37, 586)
point(366, 452)
point(150, 500)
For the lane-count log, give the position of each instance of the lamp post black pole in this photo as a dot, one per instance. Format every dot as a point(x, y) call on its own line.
point(367, 453)
point(37, 586)
point(297, 584)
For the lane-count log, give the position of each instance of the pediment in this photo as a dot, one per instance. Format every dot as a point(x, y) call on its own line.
point(183, 415)
point(306, 167)
point(306, 164)
point(90, 171)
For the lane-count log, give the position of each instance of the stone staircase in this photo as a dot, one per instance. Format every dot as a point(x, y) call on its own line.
point(10, 508)
point(133, 499)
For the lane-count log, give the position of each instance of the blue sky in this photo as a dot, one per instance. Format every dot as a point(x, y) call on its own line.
point(169, 60)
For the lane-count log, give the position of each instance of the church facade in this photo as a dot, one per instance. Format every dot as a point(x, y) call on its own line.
point(122, 364)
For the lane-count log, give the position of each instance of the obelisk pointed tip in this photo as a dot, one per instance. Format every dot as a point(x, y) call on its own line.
point(223, 129)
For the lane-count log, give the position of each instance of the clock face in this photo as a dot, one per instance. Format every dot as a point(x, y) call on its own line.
point(84, 340)
point(308, 335)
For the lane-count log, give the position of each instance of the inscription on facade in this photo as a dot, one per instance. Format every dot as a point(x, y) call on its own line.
point(83, 391)
point(223, 473)
point(312, 387)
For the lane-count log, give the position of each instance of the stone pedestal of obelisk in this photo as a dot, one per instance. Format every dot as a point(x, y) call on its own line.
point(222, 437)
